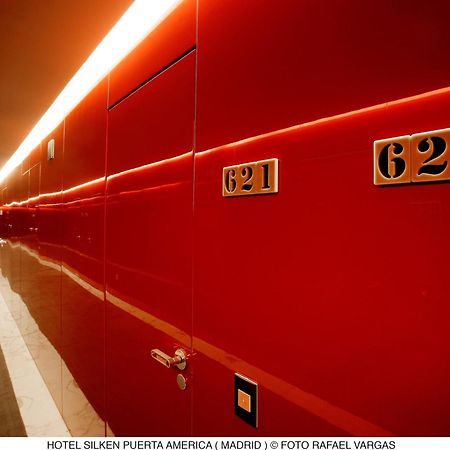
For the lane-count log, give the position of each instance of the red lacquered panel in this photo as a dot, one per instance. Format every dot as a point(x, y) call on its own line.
point(20, 203)
point(148, 254)
point(45, 302)
point(165, 100)
point(268, 65)
point(50, 195)
point(14, 229)
point(7, 208)
point(83, 269)
point(333, 293)
point(172, 38)
point(85, 134)
point(25, 166)
point(30, 263)
point(2, 209)
point(31, 220)
point(35, 156)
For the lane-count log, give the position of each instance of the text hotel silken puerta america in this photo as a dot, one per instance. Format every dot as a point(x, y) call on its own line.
point(292, 444)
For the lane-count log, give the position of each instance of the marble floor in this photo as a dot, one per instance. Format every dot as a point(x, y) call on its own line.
point(11, 423)
point(38, 412)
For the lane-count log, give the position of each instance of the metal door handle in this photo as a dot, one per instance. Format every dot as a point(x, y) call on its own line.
point(178, 360)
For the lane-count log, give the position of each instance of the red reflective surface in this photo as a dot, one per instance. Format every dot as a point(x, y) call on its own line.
point(335, 289)
point(331, 295)
point(148, 252)
point(265, 66)
point(83, 308)
point(45, 302)
point(170, 39)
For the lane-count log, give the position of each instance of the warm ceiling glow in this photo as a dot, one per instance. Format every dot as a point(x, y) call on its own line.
point(137, 22)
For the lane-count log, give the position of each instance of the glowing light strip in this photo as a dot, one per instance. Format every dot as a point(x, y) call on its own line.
point(137, 22)
point(52, 194)
point(340, 116)
point(103, 179)
point(233, 145)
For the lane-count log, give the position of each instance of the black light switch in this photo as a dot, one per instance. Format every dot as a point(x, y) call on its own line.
point(246, 399)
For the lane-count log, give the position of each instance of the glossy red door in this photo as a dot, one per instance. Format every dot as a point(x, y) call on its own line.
point(148, 253)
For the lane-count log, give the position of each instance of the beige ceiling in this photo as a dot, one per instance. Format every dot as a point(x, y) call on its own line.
point(42, 44)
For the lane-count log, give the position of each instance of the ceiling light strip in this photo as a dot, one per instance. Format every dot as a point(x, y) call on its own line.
point(137, 22)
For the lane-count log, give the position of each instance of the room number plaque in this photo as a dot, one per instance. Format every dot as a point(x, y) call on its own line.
point(420, 158)
point(258, 177)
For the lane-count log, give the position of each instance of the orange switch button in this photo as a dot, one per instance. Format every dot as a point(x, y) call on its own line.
point(244, 401)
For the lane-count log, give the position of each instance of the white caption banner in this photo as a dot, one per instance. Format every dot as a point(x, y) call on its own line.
point(278, 443)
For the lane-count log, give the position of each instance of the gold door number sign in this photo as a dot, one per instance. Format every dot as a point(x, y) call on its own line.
point(259, 177)
point(422, 157)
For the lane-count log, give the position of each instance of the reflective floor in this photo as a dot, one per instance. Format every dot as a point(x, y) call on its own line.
point(26, 406)
point(11, 423)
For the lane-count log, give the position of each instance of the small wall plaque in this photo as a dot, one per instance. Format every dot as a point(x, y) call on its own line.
point(51, 149)
point(422, 157)
point(258, 177)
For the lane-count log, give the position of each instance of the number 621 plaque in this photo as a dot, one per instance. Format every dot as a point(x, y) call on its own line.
point(258, 177)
